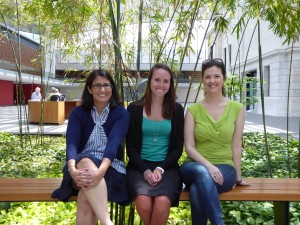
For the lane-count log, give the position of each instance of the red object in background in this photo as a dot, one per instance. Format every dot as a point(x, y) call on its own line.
point(6, 93)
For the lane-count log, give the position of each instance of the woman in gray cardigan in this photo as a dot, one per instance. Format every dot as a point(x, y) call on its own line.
point(154, 144)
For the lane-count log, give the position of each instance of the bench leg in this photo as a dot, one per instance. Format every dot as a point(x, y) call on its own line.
point(281, 213)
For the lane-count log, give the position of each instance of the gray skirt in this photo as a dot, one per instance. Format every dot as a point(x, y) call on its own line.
point(169, 186)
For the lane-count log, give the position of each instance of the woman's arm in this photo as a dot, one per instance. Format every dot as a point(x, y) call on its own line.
point(189, 140)
point(73, 138)
point(134, 138)
point(73, 135)
point(237, 143)
point(117, 134)
point(176, 140)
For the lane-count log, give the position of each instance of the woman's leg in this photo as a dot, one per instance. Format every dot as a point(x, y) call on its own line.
point(85, 214)
point(199, 216)
point(153, 210)
point(161, 210)
point(96, 196)
point(144, 207)
point(229, 176)
point(208, 198)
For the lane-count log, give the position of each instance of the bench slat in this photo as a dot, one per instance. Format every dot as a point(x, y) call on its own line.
point(28, 189)
point(260, 189)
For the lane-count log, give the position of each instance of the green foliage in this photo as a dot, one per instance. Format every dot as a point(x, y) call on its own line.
point(255, 161)
point(254, 164)
point(62, 19)
point(221, 24)
point(180, 215)
point(45, 160)
point(32, 161)
point(247, 212)
point(236, 86)
point(284, 12)
point(26, 213)
point(37, 161)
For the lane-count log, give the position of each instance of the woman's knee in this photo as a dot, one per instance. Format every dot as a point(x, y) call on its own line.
point(201, 170)
point(162, 203)
point(143, 201)
point(228, 171)
point(229, 175)
point(193, 168)
point(85, 163)
point(192, 171)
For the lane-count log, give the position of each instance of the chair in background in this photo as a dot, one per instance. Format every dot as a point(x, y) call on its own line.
point(55, 98)
point(62, 98)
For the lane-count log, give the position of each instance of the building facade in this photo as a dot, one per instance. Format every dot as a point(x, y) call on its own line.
point(280, 68)
point(17, 88)
point(280, 74)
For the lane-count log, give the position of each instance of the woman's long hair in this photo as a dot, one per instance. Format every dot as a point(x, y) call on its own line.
point(169, 98)
point(87, 98)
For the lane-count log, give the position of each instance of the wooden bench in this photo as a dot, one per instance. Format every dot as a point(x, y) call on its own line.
point(281, 191)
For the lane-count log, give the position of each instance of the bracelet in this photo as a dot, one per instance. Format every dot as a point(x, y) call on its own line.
point(239, 182)
point(161, 169)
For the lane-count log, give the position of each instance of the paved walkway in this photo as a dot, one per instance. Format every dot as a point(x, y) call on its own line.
point(274, 124)
point(9, 122)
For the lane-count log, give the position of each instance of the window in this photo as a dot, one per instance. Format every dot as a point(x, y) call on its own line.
point(267, 81)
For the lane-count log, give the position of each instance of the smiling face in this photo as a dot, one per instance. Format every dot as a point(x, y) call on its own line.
point(213, 80)
point(160, 83)
point(101, 90)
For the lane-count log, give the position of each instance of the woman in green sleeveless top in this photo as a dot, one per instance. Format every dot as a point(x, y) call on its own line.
point(213, 141)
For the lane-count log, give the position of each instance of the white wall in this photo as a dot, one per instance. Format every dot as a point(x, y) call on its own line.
point(182, 93)
point(277, 57)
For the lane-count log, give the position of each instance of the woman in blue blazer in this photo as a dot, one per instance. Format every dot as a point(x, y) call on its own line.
point(94, 156)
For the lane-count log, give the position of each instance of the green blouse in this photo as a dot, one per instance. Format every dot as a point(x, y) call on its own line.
point(213, 138)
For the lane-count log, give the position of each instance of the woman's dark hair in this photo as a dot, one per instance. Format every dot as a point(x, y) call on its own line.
point(170, 97)
point(208, 63)
point(87, 98)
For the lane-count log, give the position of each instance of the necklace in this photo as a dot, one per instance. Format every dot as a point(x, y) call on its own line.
point(154, 130)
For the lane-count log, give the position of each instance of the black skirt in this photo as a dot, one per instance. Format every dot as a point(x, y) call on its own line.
point(169, 186)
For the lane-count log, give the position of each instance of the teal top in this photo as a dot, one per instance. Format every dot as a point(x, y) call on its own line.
point(213, 138)
point(155, 140)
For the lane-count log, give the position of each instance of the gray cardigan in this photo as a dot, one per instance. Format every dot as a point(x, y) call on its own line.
point(134, 138)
